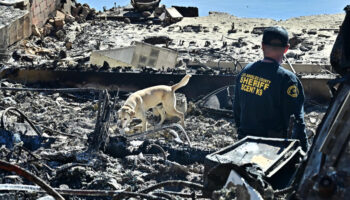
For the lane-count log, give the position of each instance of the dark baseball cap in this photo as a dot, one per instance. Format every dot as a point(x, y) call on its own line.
point(275, 36)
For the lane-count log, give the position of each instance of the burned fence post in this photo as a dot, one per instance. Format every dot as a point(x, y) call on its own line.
point(100, 134)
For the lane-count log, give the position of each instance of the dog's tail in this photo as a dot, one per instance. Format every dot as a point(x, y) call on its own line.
point(182, 83)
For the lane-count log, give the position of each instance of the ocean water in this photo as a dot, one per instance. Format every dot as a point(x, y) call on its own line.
point(275, 9)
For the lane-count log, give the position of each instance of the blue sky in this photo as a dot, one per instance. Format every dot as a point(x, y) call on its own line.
point(275, 9)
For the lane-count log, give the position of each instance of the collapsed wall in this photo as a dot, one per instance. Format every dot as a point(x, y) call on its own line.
point(41, 9)
point(17, 18)
point(15, 24)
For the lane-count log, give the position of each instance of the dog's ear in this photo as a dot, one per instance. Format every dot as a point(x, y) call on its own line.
point(131, 112)
point(122, 109)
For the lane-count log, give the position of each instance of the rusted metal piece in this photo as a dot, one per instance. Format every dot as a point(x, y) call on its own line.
point(22, 115)
point(31, 177)
point(340, 55)
point(177, 183)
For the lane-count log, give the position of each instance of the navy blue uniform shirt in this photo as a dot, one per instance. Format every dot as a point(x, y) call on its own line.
point(266, 95)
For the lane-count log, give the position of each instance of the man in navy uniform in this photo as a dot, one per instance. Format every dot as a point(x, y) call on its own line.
point(267, 95)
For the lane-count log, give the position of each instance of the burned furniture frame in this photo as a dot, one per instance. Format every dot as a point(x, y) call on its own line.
point(279, 159)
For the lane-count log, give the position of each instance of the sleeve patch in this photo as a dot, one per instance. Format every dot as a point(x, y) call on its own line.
point(293, 91)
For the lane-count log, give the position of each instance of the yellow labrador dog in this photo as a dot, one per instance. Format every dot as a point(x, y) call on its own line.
point(139, 102)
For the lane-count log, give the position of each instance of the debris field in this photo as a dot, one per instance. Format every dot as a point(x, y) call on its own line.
point(50, 132)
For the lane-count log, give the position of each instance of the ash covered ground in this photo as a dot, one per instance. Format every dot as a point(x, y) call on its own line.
point(64, 162)
point(67, 119)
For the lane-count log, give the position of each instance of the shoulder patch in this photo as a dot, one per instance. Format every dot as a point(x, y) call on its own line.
point(293, 91)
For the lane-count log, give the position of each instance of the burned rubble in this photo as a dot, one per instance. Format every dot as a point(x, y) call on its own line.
point(67, 137)
point(85, 30)
point(56, 150)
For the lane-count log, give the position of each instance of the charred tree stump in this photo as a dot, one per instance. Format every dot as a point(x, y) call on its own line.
point(100, 134)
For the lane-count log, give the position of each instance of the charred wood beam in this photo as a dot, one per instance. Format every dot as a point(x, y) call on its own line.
point(31, 177)
point(176, 183)
point(77, 192)
point(100, 134)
